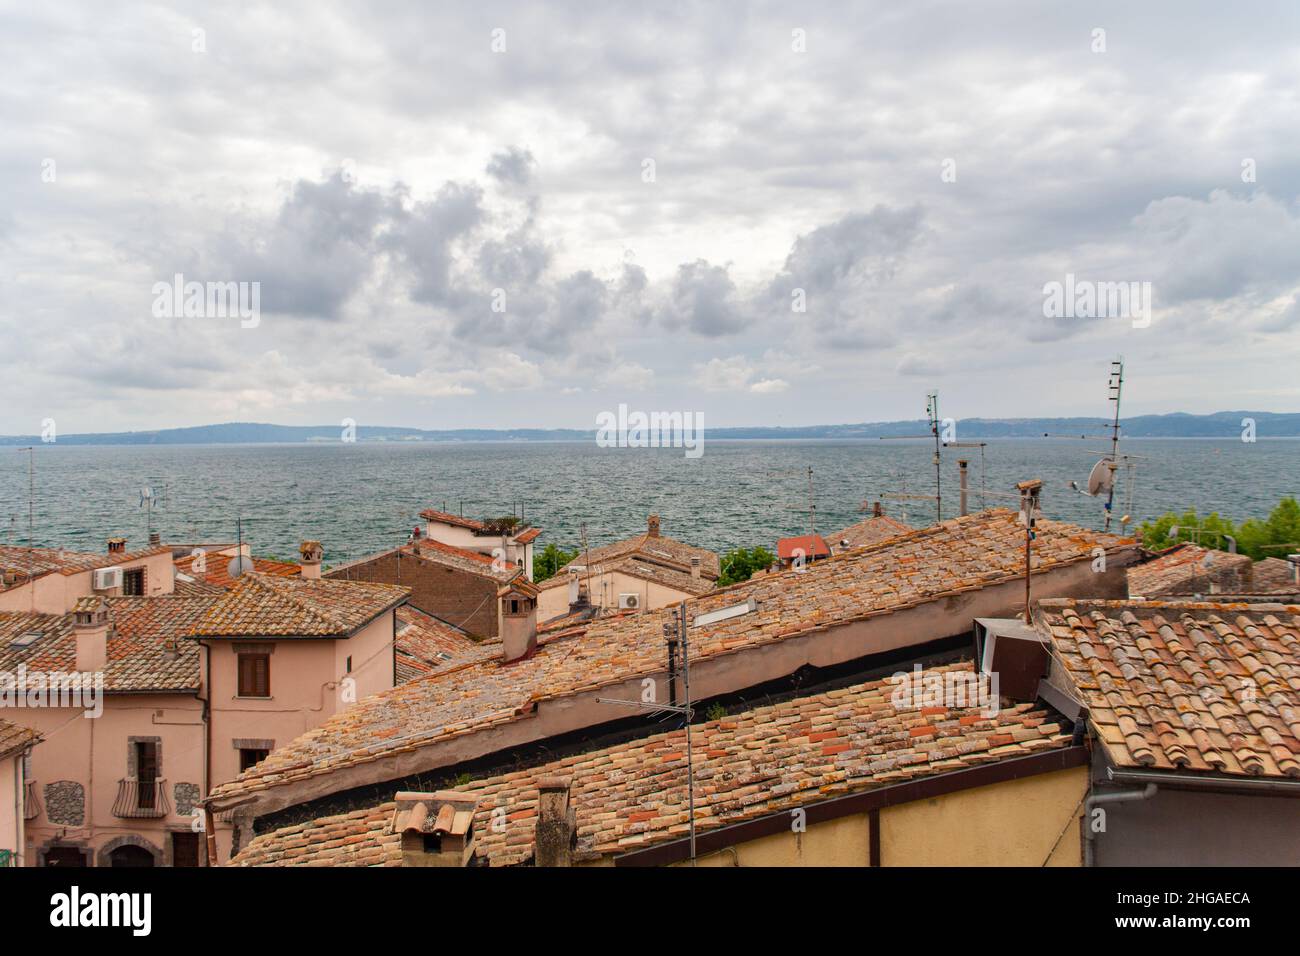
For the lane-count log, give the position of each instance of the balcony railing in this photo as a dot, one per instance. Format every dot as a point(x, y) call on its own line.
point(31, 803)
point(141, 798)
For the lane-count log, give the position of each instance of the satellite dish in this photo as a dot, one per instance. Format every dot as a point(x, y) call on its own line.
point(1101, 478)
point(239, 565)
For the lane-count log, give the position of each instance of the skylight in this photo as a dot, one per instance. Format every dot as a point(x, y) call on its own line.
point(27, 639)
point(725, 613)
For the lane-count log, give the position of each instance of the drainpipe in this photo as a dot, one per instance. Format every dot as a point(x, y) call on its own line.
point(20, 811)
point(1099, 799)
point(208, 831)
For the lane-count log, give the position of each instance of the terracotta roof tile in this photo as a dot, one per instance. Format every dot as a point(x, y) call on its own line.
point(34, 563)
point(265, 605)
point(147, 649)
point(873, 530)
point(15, 737)
point(1199, 687)
point(1189, 569)
point(425, 643)
point(926, 565)
point(747, 765)
point(215, 568)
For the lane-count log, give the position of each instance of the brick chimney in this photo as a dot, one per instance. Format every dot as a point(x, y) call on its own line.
point(652, 526)
point(90, 625)
point(517, 612)
point(556, 835)
point(312, 553)
point(436, 829)
point(117, 545)
point(877, 510)
point(695, 566)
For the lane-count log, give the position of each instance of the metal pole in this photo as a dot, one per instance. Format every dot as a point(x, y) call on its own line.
point(961, 465)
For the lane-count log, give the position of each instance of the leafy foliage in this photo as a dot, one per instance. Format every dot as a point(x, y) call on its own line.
point(741, 563)
point(1271, 537)
point(548, 563)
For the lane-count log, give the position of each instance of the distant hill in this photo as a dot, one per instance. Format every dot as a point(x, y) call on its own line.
point(1176, 425)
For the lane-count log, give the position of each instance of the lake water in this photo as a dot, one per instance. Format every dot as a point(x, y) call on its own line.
point(360, 498)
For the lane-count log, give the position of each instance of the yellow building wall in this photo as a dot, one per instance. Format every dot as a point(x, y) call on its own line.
point(1016, 823)
point(1006, 824)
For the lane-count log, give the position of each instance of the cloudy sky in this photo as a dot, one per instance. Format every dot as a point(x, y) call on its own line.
point(498, 215)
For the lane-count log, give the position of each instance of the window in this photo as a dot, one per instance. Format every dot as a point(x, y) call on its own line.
point(250, 757)
point(349, 670)
point(146, 773)
point(254, 675)
point(133, 582)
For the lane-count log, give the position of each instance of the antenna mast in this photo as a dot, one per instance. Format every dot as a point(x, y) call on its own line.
point(1116, 386)
point(31, 492)
point(932, 412)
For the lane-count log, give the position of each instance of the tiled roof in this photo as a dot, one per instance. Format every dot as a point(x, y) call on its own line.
point(638, 556)
point(524, 535)
point(14, 737)
point(38, 562)
point(763, 761)
point(463, 560)
point(425, 643)
point(1273, 575)
point(146, 645)
point(870, 531)
point(186, 586)
point(809, 546)
point(446, 517)
point(265, 605)
point(942, 561)
point(216, 565)
point(1199, 687)
point(1189, 569)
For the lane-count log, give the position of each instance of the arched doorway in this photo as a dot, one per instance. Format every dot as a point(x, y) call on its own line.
point(129, 855)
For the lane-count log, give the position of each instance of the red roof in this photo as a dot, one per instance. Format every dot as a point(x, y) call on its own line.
point(446, 517)
point(808, 545)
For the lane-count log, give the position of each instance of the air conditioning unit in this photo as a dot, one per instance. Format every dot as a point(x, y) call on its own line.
point(105, 579)
point(629, 602)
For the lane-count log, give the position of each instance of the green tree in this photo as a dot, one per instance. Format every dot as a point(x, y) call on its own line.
point(547, 564)
point(1271, 537)
point(740, 563)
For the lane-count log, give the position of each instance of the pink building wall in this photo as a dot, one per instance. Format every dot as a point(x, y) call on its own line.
point(57, 593)
point(94, 753)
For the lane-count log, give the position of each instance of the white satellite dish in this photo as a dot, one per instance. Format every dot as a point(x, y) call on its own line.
point(1101, 478)
point(238, 566)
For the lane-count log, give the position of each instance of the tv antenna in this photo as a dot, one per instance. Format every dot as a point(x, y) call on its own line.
point(1102, 478)
point(676, 639)
point(239, 565)
point(937, 427)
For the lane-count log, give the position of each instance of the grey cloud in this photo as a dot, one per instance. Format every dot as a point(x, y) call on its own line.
point(513, 165)
point(703, 299)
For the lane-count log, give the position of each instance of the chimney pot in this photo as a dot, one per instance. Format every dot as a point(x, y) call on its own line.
point(117, 545)
point(435, 829)
point(90, 623)
point(695, 567)
point(312, 553)
point(518, 616)
point(155, 539)
point(877, 510)
point(652, 526)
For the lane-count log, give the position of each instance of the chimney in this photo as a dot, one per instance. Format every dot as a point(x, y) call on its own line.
point(695, 567)
point(556, 835)
point(961, 465)
point(90, 623)
point(877, 510)
point(518, 616)
point(579, 599)
point(312, 553)
point(10, 577)
point(155, 539)
point(436, 829)
point(652, 526)
point(117, 545)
